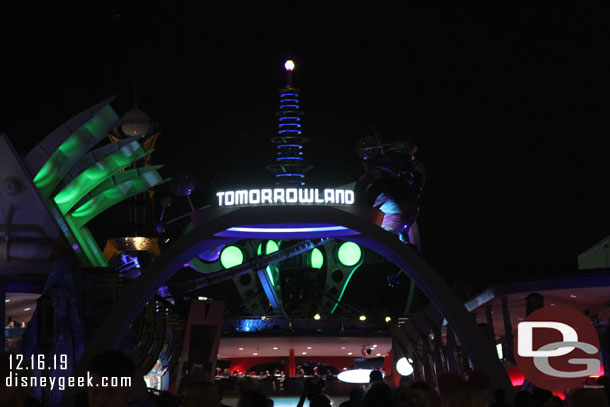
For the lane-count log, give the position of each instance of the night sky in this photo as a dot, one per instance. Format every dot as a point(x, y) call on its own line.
point(510, 107)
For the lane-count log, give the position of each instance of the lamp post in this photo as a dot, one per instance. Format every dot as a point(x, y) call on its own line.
point(45, 335)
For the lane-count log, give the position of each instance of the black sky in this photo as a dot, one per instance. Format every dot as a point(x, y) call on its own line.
point(509, 106)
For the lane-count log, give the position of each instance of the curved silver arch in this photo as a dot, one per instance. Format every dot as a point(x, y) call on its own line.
point(212, 221)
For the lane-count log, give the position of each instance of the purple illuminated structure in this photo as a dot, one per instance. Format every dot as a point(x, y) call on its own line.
point(290, 167)
point(296, 231)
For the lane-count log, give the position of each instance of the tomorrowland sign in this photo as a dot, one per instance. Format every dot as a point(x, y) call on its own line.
point(295, 196)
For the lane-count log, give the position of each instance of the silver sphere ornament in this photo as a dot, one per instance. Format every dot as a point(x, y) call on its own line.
point(135, 123)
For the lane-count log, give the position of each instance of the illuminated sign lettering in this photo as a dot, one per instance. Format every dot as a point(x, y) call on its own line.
point(285, 196)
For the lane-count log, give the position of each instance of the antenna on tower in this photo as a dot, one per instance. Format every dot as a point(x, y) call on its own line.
point(290, 167)
point(135, 86)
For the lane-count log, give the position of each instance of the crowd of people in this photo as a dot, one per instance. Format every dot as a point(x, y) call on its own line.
point(452, 392)
point(10, 323)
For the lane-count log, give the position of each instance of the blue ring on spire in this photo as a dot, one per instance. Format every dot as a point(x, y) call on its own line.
point(290, 175)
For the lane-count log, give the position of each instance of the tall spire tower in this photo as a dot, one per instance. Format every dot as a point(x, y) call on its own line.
point(289, 168)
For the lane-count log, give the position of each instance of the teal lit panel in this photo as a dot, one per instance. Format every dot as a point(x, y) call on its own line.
point(71, 150)
point(97, 173)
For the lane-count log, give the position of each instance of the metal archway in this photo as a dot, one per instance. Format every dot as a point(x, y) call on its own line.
point(216, 221)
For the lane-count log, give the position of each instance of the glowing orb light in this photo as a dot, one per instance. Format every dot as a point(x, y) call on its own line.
point(231, 256)
point(289, 65)
point(355, 376)
point(349, 254)
point(316, 258)
point(404, 367)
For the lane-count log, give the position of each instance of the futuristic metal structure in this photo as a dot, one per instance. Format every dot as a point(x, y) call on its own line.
point(290, 167)
point(78, 183)
point(49, 198)
point(212, 233)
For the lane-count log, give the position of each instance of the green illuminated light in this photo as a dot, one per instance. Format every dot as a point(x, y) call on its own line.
point(72, 149)
point(231, 256)
point(316, 258)
point(98, 172)
point(270, 275)
point(272, 247)
point(73, 145)
point(349, 254)
point(116, 189)
point(349, 277)
point(202, 266)
point(81, 240)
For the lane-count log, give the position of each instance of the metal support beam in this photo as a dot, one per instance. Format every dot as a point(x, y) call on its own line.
point(202, 338)
point(258, 263)
point(434, 321)
point(490, 324)
point(452, 354)
point(269, 287)
point(405, 340)
point(435, 369)
point(407, 310)
point(425, 354)
point(508, 332)
point(2, 311)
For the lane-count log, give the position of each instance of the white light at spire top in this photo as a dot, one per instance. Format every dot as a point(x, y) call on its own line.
point(289, 65)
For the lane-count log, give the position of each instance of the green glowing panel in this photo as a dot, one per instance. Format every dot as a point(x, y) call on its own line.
point(272, 247)
point(270, 274)
point(114, 190)
point(231, 256)
point(95, 174)
point(316, 259)
point(203, 267)
point(349, 254)
point(90, 247)
point(81, 241)
point(72, 149)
